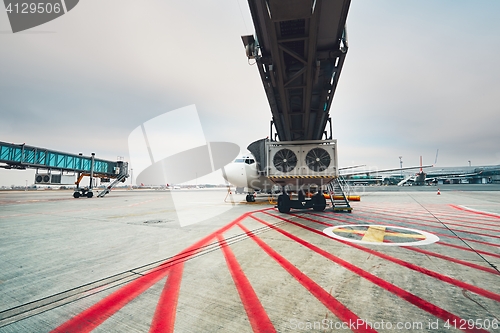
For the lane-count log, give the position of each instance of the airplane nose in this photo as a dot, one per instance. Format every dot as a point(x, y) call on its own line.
point(235, 174)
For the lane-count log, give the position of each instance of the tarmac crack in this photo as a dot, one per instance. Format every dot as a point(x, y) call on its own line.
point(467, 295)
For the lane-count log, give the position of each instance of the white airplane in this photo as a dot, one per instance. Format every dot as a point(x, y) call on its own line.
point(244, 172)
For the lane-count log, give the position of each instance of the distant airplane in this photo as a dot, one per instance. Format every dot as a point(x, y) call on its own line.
point(417, 179)
point(160, 187)
point(481, 174)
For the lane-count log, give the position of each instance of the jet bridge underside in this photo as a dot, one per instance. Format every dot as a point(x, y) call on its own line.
point(299, 48)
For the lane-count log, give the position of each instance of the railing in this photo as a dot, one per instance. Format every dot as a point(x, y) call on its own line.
point(344, 186)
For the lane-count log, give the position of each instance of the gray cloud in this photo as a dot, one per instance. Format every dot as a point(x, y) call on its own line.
point(419, 75)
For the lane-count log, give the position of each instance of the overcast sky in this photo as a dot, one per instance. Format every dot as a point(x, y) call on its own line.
point(419, 76)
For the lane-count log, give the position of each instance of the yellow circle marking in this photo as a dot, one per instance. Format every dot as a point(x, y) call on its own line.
point(375, 234)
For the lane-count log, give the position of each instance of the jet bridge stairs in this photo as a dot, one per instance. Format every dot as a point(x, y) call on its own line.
point(120, 178)
point(339, 195)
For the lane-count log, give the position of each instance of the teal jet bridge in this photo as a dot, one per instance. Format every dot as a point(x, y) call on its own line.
point(58, 168)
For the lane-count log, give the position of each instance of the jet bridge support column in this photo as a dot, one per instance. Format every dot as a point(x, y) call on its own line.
point(92, 163)
point(82, 191)
point(90, 194)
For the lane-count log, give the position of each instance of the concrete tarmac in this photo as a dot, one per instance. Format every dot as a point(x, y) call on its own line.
point(405, 259)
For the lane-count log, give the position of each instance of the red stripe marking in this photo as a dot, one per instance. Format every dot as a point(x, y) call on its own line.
point(374, 221)
point(434, 254)
point(337, 308)
point(440, 242)
point(456, 219)
point(438, 223)
point(255, 311)
point(475, 211)
point(435, 224)
point(92, 317)
point(465, 217)
point(458, 261)
point(164, 317)
point(421, 224)
point(460, 215)
point(469, 249)
point(406, 264)
point(415, 300)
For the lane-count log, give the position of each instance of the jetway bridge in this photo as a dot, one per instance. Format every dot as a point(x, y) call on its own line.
point(299, 48)
point(58, 168)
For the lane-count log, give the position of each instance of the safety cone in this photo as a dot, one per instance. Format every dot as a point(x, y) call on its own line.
point(438, 192)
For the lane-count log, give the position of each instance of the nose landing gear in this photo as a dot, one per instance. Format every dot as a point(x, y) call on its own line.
point(250, 197)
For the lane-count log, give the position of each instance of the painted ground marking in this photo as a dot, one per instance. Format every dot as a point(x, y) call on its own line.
point(381, 235)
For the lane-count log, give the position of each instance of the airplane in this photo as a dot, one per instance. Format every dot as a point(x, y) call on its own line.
point(244, 172)
point(418, 179)
point(160, 187)
point(434, 175)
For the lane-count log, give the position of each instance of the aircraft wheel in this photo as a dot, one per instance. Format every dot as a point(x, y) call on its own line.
point(283, 203)
point(76, 195)
point(90, 194)
point(320, 202)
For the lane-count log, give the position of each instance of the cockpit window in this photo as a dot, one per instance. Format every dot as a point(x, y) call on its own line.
point(249, 161)
point(239, 160)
